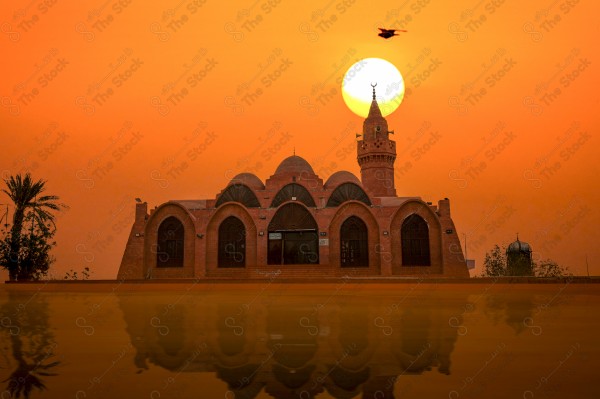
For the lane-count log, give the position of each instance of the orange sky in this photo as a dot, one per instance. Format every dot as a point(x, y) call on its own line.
point(112, 100)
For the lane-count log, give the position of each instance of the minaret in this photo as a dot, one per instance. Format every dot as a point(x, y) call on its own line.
point(376, 154)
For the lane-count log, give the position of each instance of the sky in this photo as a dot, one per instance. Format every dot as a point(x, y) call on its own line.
point(112, 100)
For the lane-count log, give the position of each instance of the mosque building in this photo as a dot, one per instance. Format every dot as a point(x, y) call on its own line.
point(298, 227)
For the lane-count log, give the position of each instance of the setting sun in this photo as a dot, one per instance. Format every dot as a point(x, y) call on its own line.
point(369, 72)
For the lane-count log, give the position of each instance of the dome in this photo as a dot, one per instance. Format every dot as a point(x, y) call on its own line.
point(518, 247)
point(342, 176)
point(249, 179)
point(295, 165)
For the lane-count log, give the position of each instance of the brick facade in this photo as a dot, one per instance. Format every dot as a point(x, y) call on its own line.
point(372, 199)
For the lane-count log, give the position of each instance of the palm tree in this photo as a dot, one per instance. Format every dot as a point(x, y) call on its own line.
point(32, 342)
point(27, 375)
point(26, 196)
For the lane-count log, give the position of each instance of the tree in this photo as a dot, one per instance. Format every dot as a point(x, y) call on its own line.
point(549, 268)
point(495, 262)
point(25, 249)
point(34, 253)
point(33, 344)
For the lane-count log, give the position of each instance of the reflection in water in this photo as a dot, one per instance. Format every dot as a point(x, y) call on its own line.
point(25, 325)
point(512, 310)
point(296, 346)
point(284, 341)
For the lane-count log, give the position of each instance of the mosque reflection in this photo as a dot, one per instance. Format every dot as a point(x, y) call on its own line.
point(286, 344)
point(297, 346)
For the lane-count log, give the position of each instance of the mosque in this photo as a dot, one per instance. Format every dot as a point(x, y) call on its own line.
point(294, 346)
point(295, 226)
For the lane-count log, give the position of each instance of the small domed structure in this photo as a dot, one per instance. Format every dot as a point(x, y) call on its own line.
point(249, 179)
point(518, 259)
point(342, 176)
point(295, 165)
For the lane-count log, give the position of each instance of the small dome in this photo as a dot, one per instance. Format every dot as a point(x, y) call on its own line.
point(295, 165)
point(518, 247)
point(249, 179)
point(342, 176)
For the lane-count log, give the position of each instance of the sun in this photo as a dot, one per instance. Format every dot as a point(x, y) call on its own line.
point(357, 91)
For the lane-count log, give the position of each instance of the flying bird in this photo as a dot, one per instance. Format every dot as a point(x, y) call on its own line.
point(387, 33)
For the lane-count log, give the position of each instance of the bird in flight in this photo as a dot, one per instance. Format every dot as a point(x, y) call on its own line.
point(387, 33)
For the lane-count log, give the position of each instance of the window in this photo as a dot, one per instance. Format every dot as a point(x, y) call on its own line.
point(346, 192)
point(293, 237)
point(354, 244)
point(170, 243)
point(238, 193)
point(293, 192)
point(232, 243)
point(415, 242)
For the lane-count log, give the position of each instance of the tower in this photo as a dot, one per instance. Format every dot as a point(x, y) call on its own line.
point(376, 154)
point(518, 259)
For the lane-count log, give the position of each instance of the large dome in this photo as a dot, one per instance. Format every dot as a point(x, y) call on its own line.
point(249, 179)
point(295, 165)
point(339, 177)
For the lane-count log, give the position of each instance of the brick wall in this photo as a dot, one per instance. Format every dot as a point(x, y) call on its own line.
point(423, 210)
point(383, 224)
point(151, 235)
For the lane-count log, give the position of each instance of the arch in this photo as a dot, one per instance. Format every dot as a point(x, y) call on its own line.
point(436, 249)
point(294, 378)
point(349, 341)
point(294, 192)
point(169, 242)
point(292, 236)
point(416, 346)
point(232, 243)
point(346, 192)
point(151, 269)
point(212, 235)
point(354, 243)
point(415, 241)
point(365, 214)
point(238, 193)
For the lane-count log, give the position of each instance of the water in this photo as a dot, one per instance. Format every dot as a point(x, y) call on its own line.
point(263, 340)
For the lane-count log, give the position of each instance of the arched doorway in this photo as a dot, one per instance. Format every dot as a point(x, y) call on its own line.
point(415, 241)
point(293, 237)
point(232, 243)
point(170, 239)
point(354, 243)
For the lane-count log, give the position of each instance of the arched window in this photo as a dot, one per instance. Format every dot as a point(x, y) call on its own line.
point(170, 243)
point(415, 242)
point(354, 243)
point(293, 237)
point(232, 243)
point(238, 193)
point(293, 192)
point(346, 192)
